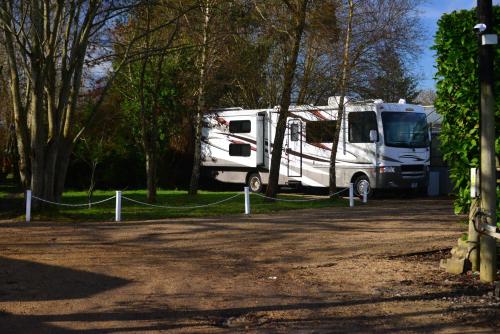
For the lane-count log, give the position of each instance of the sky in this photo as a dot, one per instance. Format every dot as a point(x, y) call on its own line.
point(431, 11)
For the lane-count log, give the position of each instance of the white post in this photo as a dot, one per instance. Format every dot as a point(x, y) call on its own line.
point(28, 206)
point(118, 206)
point(247, 200)
point(351, 195)
point(365, 195)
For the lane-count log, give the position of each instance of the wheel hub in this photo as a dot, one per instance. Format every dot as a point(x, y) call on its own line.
point(254, 183)
point(363, 186)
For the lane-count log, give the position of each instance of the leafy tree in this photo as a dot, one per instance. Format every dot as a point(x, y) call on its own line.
point(150, 84)
point(211, 30)
point(457, 100)
point(49, 47)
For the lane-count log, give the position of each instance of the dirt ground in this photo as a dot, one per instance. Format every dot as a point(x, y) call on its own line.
point(372, 268)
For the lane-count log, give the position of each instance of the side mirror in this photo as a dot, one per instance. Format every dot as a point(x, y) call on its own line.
point(373, 136)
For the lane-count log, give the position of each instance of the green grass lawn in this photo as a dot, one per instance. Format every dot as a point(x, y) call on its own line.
point(173, 198)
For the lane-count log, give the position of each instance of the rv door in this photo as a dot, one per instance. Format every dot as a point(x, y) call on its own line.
point(294, 148)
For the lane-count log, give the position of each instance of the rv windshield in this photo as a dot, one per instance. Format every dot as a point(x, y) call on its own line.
point(405, 129)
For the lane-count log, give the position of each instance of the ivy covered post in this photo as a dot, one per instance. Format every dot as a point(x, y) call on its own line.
point(488, 257)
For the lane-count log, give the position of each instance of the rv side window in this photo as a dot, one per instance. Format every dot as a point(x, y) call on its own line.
point(239, 126)
point(294, 132)
point(320, 131)
point(360, 124)
point(242, 150)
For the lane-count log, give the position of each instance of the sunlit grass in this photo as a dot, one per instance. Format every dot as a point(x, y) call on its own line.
point(172, 198)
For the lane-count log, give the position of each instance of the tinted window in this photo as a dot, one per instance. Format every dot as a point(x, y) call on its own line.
point(360, 124)
point(320, 131)
point(239, 126)
point(242, 150)
point(294, 132)
point(405, 129)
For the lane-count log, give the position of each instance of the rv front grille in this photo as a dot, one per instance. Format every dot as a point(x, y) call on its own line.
point(412, 168)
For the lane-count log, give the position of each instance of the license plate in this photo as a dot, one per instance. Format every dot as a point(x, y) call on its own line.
point(414, 185)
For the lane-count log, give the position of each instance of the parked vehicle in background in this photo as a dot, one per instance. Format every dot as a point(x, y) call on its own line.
point(381, 146)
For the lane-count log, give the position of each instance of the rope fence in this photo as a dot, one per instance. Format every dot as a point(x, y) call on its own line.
point(73, 205)
point(181, 207)
point(300, 200)
point(118, 201)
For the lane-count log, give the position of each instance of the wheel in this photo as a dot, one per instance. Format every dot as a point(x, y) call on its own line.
point(362, 184)
point(255, 183)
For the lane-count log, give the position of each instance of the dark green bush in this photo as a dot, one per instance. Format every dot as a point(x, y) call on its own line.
point(456, 46)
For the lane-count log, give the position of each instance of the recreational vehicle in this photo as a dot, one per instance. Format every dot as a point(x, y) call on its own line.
point(381, 146)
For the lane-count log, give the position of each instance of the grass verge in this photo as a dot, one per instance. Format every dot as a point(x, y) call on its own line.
point(173, 198)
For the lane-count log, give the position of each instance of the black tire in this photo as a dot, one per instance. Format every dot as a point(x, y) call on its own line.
point(254, 182)
point(360, 184)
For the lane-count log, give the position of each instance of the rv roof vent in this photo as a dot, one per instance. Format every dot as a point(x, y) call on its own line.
point(402, 101)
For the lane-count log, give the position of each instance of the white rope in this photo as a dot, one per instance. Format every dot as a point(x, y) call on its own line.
point(339, 192)
point(181, 207)
point(73, 205)
point(298, 200)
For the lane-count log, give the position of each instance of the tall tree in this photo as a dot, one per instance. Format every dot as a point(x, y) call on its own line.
point(298, 12)
point(345, 74)
point(206, 7)
point(47, 46)
point(373, 25)
point(209, 30)
point(392, 81)
point(148, 85)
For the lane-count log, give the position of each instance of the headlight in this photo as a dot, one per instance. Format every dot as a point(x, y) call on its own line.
point(387, 170)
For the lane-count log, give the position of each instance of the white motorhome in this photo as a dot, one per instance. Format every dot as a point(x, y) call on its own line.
point(381, 146)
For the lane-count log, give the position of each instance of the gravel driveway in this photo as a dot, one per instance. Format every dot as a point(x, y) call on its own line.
point(372, 268)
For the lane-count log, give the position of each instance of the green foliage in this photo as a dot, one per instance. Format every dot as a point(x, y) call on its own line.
point(161, 104)
point(456, 46)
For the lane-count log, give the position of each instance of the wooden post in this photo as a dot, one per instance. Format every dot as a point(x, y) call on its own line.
point(488, 257)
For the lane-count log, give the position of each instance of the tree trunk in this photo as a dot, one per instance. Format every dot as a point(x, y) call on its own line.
point(151, 175)
point(90, 191)
point(61, 169)
point(335, 143)
point(340, 114)
point(195, 173)
point(38, 139)
point(51, 158)
point(20, 115)
point(23, 149)
point(300, 16)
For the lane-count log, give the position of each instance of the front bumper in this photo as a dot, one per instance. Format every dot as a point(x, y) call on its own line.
point(401, 179)
point(394, 181)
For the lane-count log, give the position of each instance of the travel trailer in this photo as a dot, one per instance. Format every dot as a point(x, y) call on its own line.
point(381, 146)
